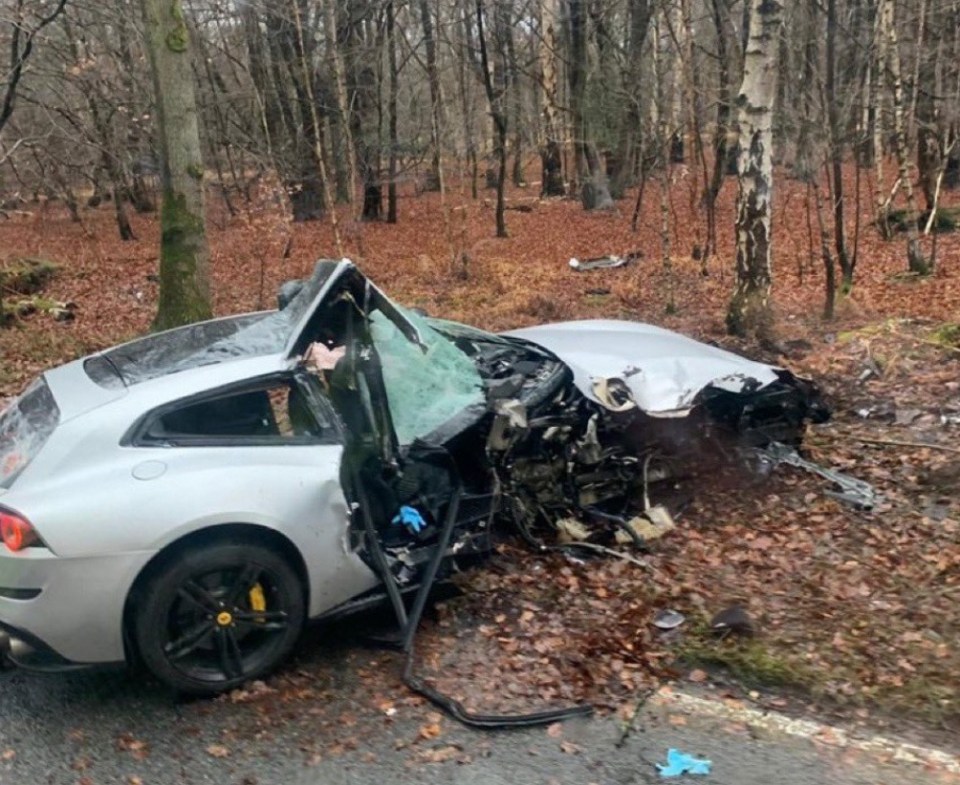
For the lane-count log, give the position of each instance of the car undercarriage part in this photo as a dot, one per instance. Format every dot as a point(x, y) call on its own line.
point(857, 493)
point(409, 624)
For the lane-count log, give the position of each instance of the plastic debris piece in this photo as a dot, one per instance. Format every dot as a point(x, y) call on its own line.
point(679, 763)
point(571, 530)
point(668, 619)
point(855, 492)
point(653, 524)
point(410, 518)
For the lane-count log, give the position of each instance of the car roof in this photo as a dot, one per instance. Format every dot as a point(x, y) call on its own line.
point(76, 393)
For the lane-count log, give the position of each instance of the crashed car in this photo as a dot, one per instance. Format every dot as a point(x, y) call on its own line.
point(189, 500)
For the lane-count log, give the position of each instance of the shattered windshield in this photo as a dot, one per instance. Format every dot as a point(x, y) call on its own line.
point(425, 389)
point(205, 343)
point(25, 425)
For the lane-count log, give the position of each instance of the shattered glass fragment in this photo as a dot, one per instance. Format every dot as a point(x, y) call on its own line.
point(25, 425)
point(206, 343)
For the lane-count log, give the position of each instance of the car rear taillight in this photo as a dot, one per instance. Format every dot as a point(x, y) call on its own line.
point(16, 532)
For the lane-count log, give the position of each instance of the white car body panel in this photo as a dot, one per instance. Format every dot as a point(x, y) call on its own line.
point(665, 371)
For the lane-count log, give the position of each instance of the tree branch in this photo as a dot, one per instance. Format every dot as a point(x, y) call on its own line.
point(19, 58)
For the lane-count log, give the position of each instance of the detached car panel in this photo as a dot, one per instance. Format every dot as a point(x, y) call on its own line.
point(190, 499)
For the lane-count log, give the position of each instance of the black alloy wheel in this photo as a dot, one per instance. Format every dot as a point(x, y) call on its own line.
point(218, 616)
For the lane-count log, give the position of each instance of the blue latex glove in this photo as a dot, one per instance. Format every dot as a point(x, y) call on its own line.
point(680, 763)
point(409, 518)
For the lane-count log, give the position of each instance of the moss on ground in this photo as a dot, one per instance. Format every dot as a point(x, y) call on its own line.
point(26, 275)
point(752, 661)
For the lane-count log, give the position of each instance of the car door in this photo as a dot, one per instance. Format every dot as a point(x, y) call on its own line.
point(419, 380)
point(265, 452)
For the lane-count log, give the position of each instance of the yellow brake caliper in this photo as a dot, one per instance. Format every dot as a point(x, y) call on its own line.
point(258, 601)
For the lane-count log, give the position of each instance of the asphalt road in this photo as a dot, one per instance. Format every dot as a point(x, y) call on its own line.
point(337, 715)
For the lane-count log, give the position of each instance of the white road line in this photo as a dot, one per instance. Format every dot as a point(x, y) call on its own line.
point(882, 746)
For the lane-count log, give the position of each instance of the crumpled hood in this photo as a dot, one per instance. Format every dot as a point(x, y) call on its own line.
point(663, 370)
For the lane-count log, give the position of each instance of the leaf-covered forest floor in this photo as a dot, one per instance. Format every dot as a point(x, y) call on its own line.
point(858, 611)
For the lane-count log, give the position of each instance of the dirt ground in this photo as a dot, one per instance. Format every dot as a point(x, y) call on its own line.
point(855, 610)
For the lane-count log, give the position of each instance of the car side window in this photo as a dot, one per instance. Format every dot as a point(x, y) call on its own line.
point(277, 412)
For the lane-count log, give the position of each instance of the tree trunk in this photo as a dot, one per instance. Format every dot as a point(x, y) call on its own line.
point(516, 100)
point(721, 133)
point(829, 268)
point(836, 148)
point(664, 140)
point(313, 118)
point(466, 95)
point(392, 112)
point(929, 153)
point(101, 125)
point(750, 310)
point(343, 104)
point(184, 255)
point(625, 165)
point(551, 157)
point(881, 201)
point(436, 96)
point(365, 90)
point(916, 262)
point(594, 191)
point(289, 49)
point(495, 95)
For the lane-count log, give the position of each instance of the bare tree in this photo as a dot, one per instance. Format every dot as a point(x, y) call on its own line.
point(628, 149)
point(750, 311)
point(496, 93)
point(25, 27)
point(436, 97)
point(594, 190)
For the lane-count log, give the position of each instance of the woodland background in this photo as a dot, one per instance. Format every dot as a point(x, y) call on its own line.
point(462, 152)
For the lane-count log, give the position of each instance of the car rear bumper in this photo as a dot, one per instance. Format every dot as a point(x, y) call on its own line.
point(20, 648)
point(60, 613)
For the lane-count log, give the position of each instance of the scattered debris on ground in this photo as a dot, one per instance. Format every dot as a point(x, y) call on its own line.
point(608, 262)
point(680, 763)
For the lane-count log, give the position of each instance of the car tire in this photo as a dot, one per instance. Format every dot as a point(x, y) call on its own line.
point(215, 617)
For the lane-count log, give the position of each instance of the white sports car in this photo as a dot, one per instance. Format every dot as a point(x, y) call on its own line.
point(190, 499)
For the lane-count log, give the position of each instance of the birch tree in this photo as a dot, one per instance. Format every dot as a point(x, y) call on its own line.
point(184, 255)
point(749, 311)
point(551, 156)
point(916, 261)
